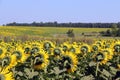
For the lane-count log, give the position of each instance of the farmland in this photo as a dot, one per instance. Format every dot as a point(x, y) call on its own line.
point(78, 58)
point(43, 31)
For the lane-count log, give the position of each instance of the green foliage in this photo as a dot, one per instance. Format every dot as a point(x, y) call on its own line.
point(70, 33)
point(114, 29)
point(113, 32)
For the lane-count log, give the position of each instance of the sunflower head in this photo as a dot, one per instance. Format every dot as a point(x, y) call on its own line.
point(72, 49)
point(57, 52)
point(35, 50)
point(6, 76)
point(84, 49)
point(67, 62)
point(48, 45)
point(95, 48)
point(27, 50)
point(18, 54)
point(6, 61)
point(40, 61)
point(117, 48)
point(99, 43)
point(107, 45)
point(70, 62)
point(108, 52)
point(10, 48)
point(67, 59)
point(101, 57)
point(65, 48)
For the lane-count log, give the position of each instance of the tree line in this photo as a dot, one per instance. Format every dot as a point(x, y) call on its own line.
point(70, 24)
point(114, 31)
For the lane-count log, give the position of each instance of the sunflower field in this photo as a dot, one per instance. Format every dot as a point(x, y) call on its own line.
point(50, 60)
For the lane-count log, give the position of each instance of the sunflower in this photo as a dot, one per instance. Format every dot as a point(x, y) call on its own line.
point(99, 43)
point(65, 46)
point(5, 74)
point(74, 49)
point(10, 48)
point(116, 48)
point(27, 49)
point(9, 61)
point(5, 62)
point(84, 49)
point(48, 44)
point(2, 52)
point(23, 53)
point(70, 62)
point(107, 45)
point(108, 52)
point(18, 54)
point(101, 57)
point(75, 44)
point(95, 48)
point(41, 61)
point(57, 51)
point(13, 61)
point(36, 43)
point(34, 50)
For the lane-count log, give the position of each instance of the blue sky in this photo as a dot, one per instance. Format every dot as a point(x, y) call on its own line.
point(59, 10)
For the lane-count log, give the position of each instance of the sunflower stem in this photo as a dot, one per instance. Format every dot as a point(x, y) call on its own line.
point(118, 59)
point(97, 66)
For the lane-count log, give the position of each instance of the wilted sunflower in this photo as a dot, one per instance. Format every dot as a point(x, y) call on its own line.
point(5, 74)
point(41, 61)
point(70, 62)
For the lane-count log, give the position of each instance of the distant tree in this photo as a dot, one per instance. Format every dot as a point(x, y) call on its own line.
point(108, 32)
point(70, 33)
point(114, 30)
point(70, 24)
point(118, 32)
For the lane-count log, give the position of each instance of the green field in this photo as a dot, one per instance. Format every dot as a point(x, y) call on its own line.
point(43, 31)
